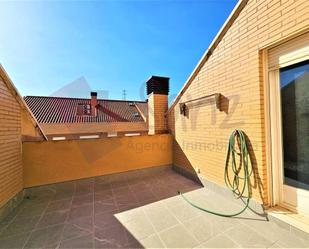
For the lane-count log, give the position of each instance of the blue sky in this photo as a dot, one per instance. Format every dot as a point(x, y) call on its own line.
point(114, 45)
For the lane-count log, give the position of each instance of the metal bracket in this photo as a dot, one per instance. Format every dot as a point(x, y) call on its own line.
point(208, 99)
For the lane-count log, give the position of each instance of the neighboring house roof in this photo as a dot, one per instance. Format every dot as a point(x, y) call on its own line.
point(228, 23)
point(19, 99)
point(64, 110)
point(143, 108)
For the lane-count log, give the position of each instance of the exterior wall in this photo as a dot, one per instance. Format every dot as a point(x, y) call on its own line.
point(235, 69)
point(57, 161)
point(157, 108)
point(28, 130)
point(93, 128)
point(11, 171)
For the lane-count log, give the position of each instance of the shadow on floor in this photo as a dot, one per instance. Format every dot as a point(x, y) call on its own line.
point(89, 213)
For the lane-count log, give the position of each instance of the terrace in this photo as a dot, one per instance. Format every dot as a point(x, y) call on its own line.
point(137, 209)
point(122, 192)
point(92, 173)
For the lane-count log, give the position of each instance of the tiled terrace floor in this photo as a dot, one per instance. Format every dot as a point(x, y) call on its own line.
point(139, 209)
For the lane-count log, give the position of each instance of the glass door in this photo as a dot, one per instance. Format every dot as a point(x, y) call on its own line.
point(294, 88)
point(294, 96)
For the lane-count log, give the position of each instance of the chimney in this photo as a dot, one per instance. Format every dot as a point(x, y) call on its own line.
point(93, 103)
point(157, 91)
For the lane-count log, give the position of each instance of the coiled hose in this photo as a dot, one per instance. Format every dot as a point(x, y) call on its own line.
point(237, 184)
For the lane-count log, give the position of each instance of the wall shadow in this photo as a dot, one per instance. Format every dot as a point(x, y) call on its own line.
point(183, 166)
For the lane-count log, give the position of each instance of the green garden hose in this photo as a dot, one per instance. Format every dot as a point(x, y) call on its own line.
point(239, 184)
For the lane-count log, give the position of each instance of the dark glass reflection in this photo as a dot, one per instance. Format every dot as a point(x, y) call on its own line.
point(294, 83)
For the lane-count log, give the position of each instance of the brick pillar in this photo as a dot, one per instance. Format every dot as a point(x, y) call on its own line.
point(93, 103)
point(157, 90)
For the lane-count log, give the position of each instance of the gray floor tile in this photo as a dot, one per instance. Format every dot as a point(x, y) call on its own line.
point(11, 216)
point(23, 225)
point(61, 195)
point(103, 207)
point(125, 199)
point(118, 184)
point(147, 201)
point(103, 195)
point(81, 211)
point(221, 223)
point(85, 223)
point(138, 186)
point(79, 200)
point(136, 210)
point(31, 210)
point(129, 206)
point(16, 241)
point(84, 188)
point(64, 186)
point(115, 235)
point(102, 180)
point(103, 220)
point(41, 192)
point(143, 196)
point(53, 218)
point(178, 237)
point(73, 231)
point(164, 192)
point(42, 238)
point(160, 216)
point(59, 205)
point(246, 237)
point(84, 242)
point(202, 228)
point(184, 212)
point(128, 215)
point(140, 227)
point(219, 241)
point(101, 187)
point(291, 241)
point(103, 244)
point(270, 230)
point(152, 241)
point(299, 233)
point(121, 191)
point(173, 201)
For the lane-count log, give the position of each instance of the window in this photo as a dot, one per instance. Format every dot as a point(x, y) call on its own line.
point(112, 134)
point(89, 137)
point(84, 109)
point(132, 134)
point(58, 138)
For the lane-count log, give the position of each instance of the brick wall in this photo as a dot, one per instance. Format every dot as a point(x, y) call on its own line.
point(157, 108)
point(11, 172)
point(57, 161)
point(235, 69)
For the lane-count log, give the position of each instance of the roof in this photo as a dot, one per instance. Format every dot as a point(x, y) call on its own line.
point(228, 23)
point(142, 108)
point(64, 110)
point(20, 100)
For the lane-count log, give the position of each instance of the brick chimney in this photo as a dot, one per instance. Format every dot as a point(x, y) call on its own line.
point(93, 103)
point(157, 91)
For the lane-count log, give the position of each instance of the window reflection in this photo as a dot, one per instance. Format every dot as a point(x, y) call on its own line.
point(294, 83)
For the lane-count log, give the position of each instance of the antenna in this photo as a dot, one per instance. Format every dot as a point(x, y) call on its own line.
point(124, 94)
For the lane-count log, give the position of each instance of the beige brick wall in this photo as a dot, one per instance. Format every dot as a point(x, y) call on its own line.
point(58, 161)
point(11, 172)
point(157, 108)
point(235, 69)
